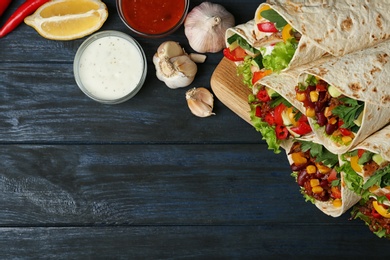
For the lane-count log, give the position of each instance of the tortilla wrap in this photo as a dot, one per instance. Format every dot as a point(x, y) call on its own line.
point(306, 51)
point(348, 197)
point(363, 75)
point(337, 27)
point(378, 143)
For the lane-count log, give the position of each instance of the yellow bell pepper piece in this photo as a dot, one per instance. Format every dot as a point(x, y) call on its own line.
point(380, 209)
point(286, 32)
point(355, 164)
point(263, 8)
point(298, 158)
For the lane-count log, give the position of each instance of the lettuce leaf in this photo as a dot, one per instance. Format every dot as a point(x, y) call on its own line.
point(244, 69)
point(353, 181)
point(267, 131)
point(281, 55)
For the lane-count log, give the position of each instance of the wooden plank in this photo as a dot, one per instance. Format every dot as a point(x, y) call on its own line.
point(200, 242)
point(53, 109)
point(230, 90)
point(146, 184)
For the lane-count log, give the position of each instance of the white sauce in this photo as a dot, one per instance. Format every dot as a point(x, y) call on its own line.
point(110, 68)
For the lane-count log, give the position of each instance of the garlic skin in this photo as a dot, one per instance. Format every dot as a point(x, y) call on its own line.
point(174, 66)
point(200, 101)
point(205, 27)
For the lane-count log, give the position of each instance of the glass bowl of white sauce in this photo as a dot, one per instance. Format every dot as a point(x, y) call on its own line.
point(110, 67)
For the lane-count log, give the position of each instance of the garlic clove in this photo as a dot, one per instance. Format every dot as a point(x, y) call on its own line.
point(198, 58)
point(174, 66)
point(200, 101)
point(205, 27)
point(185, 65)
point(170, 49)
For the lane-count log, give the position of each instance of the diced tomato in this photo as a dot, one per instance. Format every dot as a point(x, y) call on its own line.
point(375, 214)
point(360, 152)
point(263, 96)
point(238, 54)
point(257, 75)
point(278, 113)
point(388, 196)
point(267, 27)
point(302, 118)
point(332, 176)
point(281, 132)
point(302, 128)
point(258, 111)
point(343, 131)
point(336, 193)
point(322, 86)
point(269, 118)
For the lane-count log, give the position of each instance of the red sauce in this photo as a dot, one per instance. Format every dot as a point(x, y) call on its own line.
point(153, 16)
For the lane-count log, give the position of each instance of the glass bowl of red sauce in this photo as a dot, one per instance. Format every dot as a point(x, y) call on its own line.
point(153, 18)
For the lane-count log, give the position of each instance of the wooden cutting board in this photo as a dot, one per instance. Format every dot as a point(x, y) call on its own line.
point(230, 90)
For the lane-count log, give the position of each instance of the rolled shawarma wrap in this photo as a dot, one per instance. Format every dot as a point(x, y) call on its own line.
point(316, 171)
point(285, 33)
point(276, 113)
point(347, 98)
point(367, 173)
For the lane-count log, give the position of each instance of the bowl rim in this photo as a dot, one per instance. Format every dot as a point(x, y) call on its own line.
point(86, 43)
point(157, 35)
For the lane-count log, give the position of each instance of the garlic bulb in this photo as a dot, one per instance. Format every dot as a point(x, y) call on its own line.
point(205, 27)
point(174, 66)
point(200, 101)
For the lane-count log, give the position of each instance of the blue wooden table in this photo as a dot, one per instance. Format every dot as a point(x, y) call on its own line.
point(144, 179)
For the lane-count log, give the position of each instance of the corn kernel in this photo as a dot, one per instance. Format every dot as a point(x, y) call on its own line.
point(310, 112)
point(311, 169)
point(301, 96)
point(346, 139)
point(332, 120)
point(337, 203)
point(317, 189)
point(327, 112)
point(314, 182)
point(314, 96)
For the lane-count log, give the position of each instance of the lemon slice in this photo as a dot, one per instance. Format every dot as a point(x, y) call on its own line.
point(68, 19)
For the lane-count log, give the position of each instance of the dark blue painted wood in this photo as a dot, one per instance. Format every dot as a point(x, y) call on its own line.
point(144, 179)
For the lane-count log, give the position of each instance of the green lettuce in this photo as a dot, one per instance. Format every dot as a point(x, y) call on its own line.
point(267, 131)
point(353, 181)
point(281, 55)
point(244, 69)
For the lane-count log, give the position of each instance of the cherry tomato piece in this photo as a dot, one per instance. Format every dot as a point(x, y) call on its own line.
point(281, 132)
point(267, 27)
point(263, 96)
point(278, 113)
point(238, 54)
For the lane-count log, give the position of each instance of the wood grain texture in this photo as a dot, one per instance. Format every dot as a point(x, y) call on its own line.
point(230, 90)
point(145, 179)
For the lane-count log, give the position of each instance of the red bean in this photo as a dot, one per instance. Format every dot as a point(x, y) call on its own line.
point(321, 119)
point(330, 128)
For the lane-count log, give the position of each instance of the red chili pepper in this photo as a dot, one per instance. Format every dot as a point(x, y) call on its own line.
point(267, 27)
point(263, 96)
point(4, 5)
point(281, 132)
point(24, 10)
